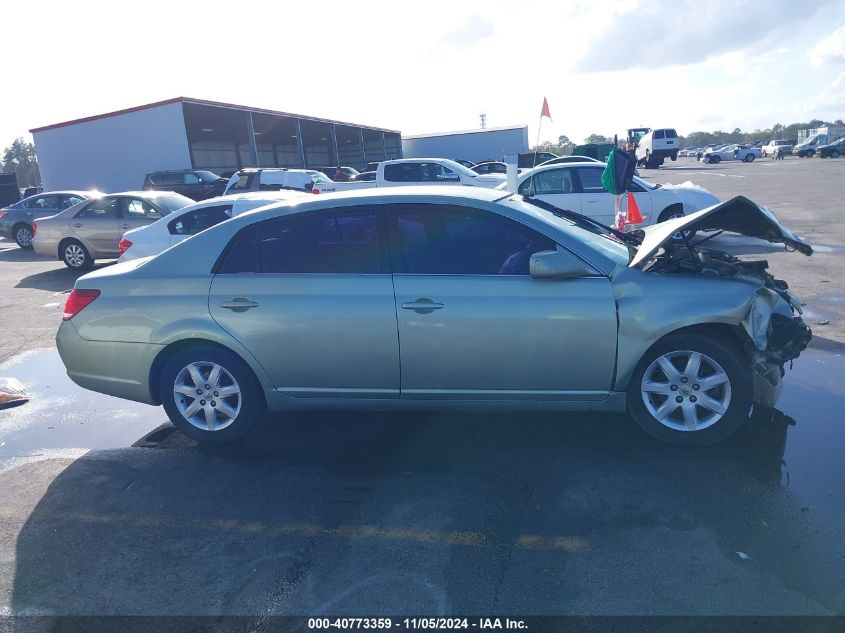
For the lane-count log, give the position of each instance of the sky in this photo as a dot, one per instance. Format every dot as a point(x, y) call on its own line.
point(604, 65)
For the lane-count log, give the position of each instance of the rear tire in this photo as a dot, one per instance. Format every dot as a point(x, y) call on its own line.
point(23, 235)
point(834, 154)
point(210, 394)
point(75, 255)
point(710, 377)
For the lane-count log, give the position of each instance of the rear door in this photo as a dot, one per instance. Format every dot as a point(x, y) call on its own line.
point(311, 297)
point(555, 186)
point(96, 225)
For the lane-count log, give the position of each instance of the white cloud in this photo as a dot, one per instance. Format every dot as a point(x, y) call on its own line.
point(830, 102)
point(830, 50)
point(470, 32)
point(657, 34)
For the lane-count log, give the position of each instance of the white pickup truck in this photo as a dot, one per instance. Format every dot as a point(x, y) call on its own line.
point(416, 171)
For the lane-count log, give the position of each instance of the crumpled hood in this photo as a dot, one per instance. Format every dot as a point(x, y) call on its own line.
point(737, 215)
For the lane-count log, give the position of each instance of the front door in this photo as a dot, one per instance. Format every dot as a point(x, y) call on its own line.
point(473, 323)
point(136, 213)
point(311, 297)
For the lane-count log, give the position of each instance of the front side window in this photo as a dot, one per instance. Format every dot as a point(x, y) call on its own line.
point(191, 179)
point(171, 203)
point(434, 172)
point(345, 242)
point(198, 220)
point(69, 201)
point(101, 209)
point(138, 209)
point(456, 241)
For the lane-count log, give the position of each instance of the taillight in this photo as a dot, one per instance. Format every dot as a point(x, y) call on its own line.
point(2, 213)
point(315, 191)
point(34, 228)
point(123, 246)
point(77, 301)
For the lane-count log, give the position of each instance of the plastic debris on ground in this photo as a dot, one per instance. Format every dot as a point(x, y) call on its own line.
point(12, 393)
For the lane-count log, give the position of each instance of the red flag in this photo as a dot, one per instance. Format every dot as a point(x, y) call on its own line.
point(545, 111)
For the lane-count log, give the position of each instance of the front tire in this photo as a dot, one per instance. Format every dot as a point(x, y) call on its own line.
point(23, 235)
point(690, 390)
point(749, 158)
point(834, 154)
point(210, 394)
point(715, 159)
point(76, 256)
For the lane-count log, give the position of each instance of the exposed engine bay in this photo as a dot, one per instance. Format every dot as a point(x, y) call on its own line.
point(776, 333)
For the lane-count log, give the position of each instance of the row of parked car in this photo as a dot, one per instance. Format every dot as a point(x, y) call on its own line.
point(80, 227)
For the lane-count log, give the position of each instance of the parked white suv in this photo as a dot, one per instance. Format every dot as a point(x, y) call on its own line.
point(655, 146)
point(771, 147)
point(274, 179)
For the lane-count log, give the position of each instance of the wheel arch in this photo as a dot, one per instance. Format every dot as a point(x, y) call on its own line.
point(176, 347)
point(732, 334)
point(669, 210)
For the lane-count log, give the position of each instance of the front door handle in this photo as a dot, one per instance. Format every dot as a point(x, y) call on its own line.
point(239, 304)
point(124, 226)
point(422, 305)
point(77, 225)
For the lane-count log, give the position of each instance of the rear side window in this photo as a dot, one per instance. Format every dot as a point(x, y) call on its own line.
point(339, 243)
point(198, 220)
point(402, 172)
point(591, 180)
point(659, 134)
point(167, 179)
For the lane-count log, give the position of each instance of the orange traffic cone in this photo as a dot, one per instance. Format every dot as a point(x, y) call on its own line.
point(634, 215)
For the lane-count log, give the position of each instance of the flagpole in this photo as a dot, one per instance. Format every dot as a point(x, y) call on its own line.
point(537, 144)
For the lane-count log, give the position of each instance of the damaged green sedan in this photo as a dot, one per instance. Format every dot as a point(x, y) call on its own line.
point(446, 298)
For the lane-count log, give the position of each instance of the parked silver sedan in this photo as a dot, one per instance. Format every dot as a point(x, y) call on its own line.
point(92, 229)
point(441, 298)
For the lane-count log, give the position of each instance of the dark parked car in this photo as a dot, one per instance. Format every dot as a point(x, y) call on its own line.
point(492, 167)
point(196, 184)
point(834, 150)
point(532, 159)
point(16, 219)
point(466, 163)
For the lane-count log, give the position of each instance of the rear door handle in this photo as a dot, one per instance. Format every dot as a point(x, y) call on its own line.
point(422, 305)
point(239, 304)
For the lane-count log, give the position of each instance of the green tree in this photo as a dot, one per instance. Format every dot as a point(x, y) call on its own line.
point(19, 158)
point(562, 147)
point(597, 138)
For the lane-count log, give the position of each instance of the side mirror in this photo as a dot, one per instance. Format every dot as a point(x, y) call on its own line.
point(557, 265)
point(452, 178)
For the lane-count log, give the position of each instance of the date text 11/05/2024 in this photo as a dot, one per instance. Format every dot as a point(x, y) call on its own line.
point(417, 623)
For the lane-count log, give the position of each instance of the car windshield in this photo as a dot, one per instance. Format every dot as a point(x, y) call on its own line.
point(460, 169)
point(173, 202)
point(207, 176)
point(594, 234)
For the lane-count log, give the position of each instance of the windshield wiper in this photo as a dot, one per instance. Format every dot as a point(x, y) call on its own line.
point(583, 221)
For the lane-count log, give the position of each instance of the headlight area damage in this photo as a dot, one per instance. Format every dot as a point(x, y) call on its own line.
point(776, 334)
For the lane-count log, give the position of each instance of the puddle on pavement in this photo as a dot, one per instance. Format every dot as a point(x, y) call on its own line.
point(799, 445)
point(60, 415)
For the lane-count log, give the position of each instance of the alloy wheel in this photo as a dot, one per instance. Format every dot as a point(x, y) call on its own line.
point(207, 396)
point(75, 255)
point(686, 390)
point(23, 236)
